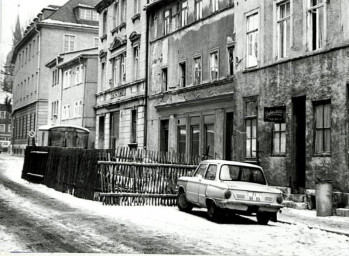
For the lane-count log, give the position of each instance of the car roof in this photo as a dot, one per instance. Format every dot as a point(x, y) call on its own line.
point(230, 162)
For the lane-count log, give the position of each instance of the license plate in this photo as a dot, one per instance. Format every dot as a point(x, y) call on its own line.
point(254, 197)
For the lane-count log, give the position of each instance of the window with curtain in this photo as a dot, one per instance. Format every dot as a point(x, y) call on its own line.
point(323, 128)
point(316, 23)
point(252, 40)
point(197, 70)
point(214, 65)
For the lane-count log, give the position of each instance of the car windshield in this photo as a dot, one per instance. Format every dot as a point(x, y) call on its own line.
point(241, 173)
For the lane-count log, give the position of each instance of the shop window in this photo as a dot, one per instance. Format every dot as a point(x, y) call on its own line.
point(182, 140)
point(322, 128)
point(164, 132)
point(279, 139)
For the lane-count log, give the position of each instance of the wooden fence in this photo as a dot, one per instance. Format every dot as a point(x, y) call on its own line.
point(114, 176)
point(142, 177)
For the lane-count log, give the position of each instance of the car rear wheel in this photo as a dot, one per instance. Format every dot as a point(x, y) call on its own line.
point(182, 202)
point(214, 213)
point(263, 218)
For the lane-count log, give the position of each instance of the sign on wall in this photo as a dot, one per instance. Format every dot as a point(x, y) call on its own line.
point(275, 114)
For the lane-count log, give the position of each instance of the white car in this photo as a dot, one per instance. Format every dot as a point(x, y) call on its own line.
point(228, 186)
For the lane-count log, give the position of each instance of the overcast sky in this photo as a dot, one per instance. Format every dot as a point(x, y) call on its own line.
point(27, 10)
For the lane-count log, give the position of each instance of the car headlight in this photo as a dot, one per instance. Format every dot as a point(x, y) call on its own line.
point(227, 194)
point(279, 199)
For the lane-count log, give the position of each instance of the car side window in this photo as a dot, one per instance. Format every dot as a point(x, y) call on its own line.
point(211, 172)
point(201, 170)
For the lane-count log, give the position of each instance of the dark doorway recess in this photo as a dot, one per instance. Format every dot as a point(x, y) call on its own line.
point(229, 149)
point(297, 178)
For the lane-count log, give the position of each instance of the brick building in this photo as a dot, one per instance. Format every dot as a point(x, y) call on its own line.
point(71, 27)
point(120, 108)
point(257, 81)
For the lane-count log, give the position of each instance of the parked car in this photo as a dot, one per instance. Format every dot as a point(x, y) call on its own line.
point(4, 144)
point(229, 187)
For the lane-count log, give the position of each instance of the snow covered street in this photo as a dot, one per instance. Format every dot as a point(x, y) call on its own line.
point(34, 218)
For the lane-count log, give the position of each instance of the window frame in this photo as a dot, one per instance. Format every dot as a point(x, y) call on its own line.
point(251, 32)
point(310, 37)
point(251, 118)
point(182, 75)
point(316, 104)
point(167, 21)
point(214, 6)
point(214, 52)
point(280, 52)
point(279, 132)
point(69, 41)
point(164, 79)
point(194, 69)
point(198, 10)
point(184, 13)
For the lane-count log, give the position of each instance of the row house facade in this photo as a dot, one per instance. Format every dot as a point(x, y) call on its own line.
point(71, 27)
point(264, 82)
point(5, 123)
point(120, 108)
point(72, 95)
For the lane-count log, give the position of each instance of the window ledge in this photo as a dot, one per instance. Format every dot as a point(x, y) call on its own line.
point(136, 17)
point(322, 155)
point(122, 25)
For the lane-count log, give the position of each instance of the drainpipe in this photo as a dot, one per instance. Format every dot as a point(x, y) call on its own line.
point(37, 81)
point(146, 81)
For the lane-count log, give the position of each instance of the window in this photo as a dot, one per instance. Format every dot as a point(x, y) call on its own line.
point(9, 128)
point(135, 62)
point(164, 126)
point(251, 128)
point(67, 78)
point(164, 79)
point(2, 114)
point(316, 24)
point(252, 40)
point(69, 43)
point(78, 108)
point(33, 48)
point(167, 22)
point(123, 11)
point(29, 51)
point(66, 113)
point(137, 6)
point(182, 140)
point(55, 77)
point(54, 110)
point(182, 74)
point(323, 128)
point(201, 170)
point(197, 70)
point(231, 60)
point(214, 65)
point(116, 14)
point(283, 29)
point(95, 42)
point(114, 128)
point(198, 9)
point(214, 5)
point(105, 24)
point(103, 74)
point(209, 141)
point(122, 68)
point(87, 14)
point(184, 13)
point(211, 172)
point(26, 54)
point(279, 139)
point(195, 140)
point(115, 71)
point(79, 74)
point(134, 126)
point(2, 128)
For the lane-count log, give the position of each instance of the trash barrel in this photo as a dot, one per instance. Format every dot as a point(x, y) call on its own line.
point(323, 195)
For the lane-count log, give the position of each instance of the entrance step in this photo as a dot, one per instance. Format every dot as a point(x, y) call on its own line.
point(295, 205)
point(343, 212)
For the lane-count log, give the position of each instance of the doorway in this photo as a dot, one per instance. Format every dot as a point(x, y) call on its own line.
point(297, 178)
point(229, 148)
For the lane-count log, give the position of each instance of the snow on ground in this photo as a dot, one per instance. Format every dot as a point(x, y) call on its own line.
point(281, 239)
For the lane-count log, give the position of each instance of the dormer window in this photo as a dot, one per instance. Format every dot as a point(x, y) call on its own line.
point(88, 14)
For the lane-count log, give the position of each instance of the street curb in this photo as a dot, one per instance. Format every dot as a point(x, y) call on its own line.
point(312, 227)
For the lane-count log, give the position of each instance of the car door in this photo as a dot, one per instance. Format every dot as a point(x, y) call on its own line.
point(208, 179)
point(193, 185)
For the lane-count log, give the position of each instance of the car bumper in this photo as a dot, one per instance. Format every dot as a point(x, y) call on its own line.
point(251, 207)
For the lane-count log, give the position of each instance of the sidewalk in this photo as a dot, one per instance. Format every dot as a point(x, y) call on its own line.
point(335, 224)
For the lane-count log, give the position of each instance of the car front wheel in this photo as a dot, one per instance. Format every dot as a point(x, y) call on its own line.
point(263, 218)
point(182, 202)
